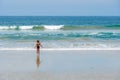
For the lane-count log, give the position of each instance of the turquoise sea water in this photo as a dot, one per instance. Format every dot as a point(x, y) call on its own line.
point(60, 32)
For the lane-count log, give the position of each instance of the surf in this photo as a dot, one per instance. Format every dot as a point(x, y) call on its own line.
point(56, 49)
point(53, 27)
point(59, 27)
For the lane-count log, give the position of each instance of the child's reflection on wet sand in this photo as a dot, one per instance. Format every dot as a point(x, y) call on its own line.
point(38, 60)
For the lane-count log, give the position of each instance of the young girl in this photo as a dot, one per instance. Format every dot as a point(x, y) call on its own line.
point(37, 46)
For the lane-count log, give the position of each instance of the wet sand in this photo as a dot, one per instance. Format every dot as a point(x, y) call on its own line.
point(60, 65)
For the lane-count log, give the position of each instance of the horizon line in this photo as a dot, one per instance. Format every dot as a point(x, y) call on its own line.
point(65, 15)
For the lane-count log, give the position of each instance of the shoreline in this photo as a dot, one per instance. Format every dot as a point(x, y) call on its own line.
point(56, 49)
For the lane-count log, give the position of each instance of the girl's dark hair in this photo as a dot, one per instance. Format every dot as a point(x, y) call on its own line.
point(37, 40)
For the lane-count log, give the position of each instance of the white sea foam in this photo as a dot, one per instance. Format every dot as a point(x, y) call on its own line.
point(93, 33)
point(47, 27)
point(25, 27)
point(56, 49)
point(14, 27)
point(7, 27)
point(4, 27)
point(53, 27)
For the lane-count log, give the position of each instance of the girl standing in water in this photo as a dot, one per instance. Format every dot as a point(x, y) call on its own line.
point(37, 46)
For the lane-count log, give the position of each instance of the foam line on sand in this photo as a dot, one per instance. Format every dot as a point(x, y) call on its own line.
point(61, 49)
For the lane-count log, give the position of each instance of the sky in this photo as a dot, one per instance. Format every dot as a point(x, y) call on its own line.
point(59, 8)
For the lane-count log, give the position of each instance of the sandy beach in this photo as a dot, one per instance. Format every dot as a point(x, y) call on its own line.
point(60, 65)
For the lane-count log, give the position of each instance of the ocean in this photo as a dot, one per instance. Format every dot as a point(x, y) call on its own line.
point(21, 32)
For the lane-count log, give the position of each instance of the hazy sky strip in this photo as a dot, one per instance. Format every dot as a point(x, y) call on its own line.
point(60, 7)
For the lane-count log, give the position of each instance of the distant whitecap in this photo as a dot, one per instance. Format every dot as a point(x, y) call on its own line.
point(53, 27)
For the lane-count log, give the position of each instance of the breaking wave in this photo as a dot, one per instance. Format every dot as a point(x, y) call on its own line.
point(41, 27)
point(53, 27)
point(57, 27)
